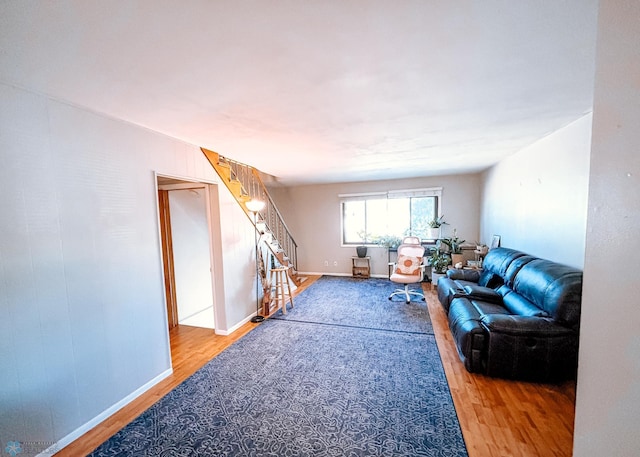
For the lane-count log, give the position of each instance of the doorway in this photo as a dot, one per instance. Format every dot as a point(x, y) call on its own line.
point(187, 252)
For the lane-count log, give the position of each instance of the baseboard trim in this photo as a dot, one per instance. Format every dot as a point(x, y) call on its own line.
point(77, 433)
point(229, 331)
point(320, 273)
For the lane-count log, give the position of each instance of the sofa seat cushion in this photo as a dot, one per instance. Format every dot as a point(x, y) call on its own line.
point(485, 307)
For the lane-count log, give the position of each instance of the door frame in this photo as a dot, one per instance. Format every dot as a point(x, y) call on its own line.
point(166, 248)
point(173, 182)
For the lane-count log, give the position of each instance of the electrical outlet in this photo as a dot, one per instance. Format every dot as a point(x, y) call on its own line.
point(335, 263)
point(326, 263)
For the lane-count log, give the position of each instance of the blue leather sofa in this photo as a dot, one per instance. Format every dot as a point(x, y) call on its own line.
point(518, 318)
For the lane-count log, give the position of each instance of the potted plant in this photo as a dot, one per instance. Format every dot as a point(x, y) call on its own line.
point(432, 232)
point(388, 241)
point(362, 249)
point(454, 246)
point(265, 281)
point(439, 262)
point(266, 296)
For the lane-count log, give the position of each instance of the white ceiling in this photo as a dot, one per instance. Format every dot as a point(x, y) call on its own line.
point(317, 91)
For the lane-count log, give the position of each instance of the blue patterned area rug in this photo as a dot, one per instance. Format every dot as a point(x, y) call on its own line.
point(293, 388)
point(359, 302)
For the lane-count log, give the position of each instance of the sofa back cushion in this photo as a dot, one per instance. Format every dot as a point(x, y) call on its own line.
point(514, 267)
point(552, 287)
point(498, 260)
point(517, 304)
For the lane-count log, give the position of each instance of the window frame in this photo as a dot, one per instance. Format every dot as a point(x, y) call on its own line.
point(404, 193)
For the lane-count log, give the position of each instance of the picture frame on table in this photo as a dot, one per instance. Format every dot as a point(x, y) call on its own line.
point(495, 241)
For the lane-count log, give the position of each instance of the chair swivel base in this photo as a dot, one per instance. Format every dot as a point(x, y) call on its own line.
point(407, 294)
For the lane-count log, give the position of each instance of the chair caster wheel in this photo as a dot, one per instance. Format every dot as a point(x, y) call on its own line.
point(408, 302)
point(423, 299)
point(389, 298)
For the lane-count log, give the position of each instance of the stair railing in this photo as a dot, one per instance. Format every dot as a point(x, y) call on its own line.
point(252, 187)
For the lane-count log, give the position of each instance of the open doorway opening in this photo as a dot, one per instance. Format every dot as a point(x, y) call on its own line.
point(187, 252)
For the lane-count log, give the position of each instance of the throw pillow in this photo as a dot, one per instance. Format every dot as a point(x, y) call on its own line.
point(407, 265)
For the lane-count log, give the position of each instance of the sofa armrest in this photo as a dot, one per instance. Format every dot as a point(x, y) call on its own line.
point(448, 289)
point(482, 293)
point(465, 275)
point(468, 334)
point(529, 348)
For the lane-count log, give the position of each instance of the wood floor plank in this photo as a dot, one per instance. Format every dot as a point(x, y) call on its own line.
point(497, 417)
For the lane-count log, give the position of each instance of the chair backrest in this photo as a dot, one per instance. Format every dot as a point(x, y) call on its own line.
point(411, 240)
point(410, 257)
point(412, 250)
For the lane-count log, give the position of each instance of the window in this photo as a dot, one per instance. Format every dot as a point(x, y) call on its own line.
point(365, 217)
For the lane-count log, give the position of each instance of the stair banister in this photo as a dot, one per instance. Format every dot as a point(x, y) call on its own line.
point(248, 185)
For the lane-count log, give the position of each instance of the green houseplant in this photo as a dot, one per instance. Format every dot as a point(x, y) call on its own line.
point(388, 241)
point(454, 246)
point(432, 232)
point(439, 262)
point(437, 222)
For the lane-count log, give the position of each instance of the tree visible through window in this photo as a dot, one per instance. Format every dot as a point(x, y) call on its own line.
point(366, 219)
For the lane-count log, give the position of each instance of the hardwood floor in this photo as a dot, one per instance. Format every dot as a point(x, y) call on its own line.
point(497, 417)
point(500, 417)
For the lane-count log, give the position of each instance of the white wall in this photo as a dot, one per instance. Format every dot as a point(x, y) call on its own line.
point(313, 214)
point(191, 256)
point(81, 288)
point(536, 199)
point(608, 394)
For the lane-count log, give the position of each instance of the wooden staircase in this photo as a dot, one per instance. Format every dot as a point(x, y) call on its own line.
point(244, 183)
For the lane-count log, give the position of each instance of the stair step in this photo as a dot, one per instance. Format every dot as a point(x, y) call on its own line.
point(224, 170)
point(236, 188)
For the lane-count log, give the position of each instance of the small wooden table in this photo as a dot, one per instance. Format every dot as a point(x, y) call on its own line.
point(361, 267)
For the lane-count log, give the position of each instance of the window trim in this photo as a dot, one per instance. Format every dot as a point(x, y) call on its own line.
point(421, 192)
